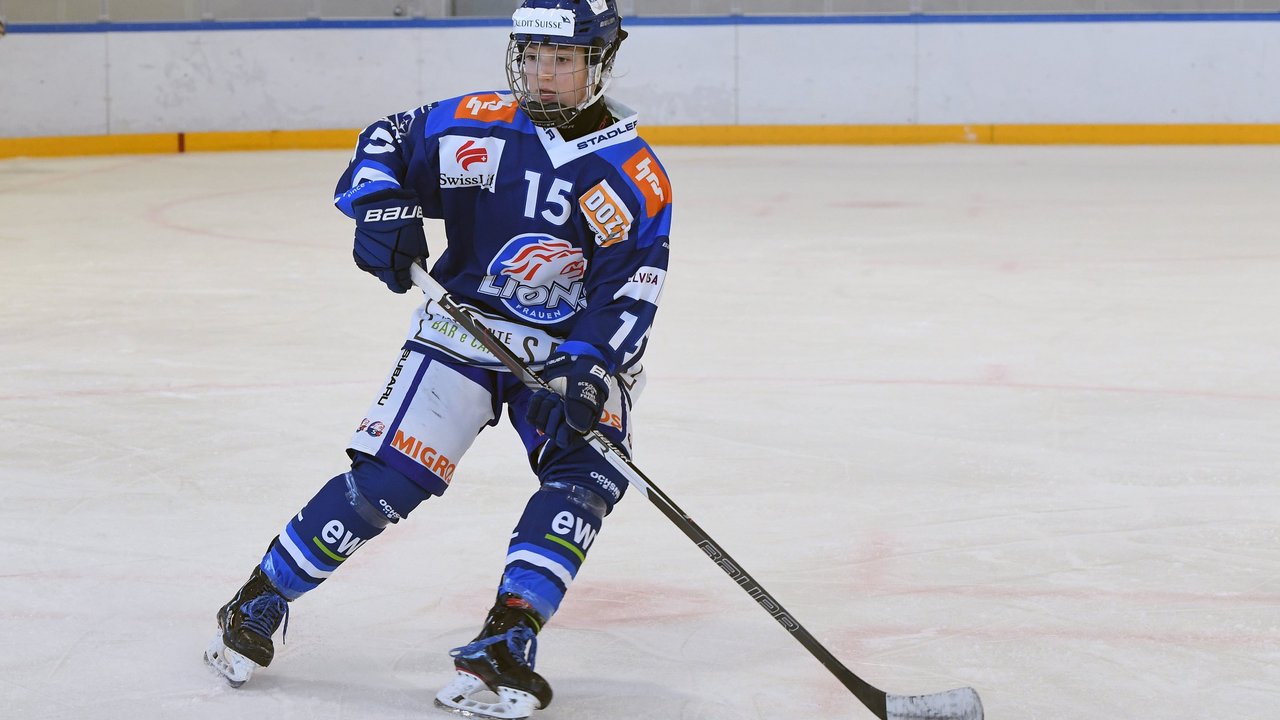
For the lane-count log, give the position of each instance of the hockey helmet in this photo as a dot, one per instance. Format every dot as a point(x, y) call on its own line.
point(547, 32)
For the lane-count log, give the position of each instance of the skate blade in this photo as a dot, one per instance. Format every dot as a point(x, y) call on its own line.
point(231, 665)
point(457, 697)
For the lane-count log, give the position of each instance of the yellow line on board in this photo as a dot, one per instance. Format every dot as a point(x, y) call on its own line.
point(964, 134)
point(89, 145)
point(1136, 134)
point(272, 140)
point(344, 139)
point(815, 134)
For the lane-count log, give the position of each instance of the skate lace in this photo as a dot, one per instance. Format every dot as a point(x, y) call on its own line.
point(517, 638)
point(264, 614)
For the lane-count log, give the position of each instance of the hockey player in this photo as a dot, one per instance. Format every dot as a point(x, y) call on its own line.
point(557, 217)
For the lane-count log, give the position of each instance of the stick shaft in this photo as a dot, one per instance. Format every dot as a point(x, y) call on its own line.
point(868, 694)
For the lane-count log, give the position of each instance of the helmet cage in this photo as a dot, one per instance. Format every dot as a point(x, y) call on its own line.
point(592, 29)
point(599, 67)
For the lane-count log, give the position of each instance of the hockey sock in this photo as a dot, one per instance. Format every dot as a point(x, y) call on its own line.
point(550, 543)
point(347, 512)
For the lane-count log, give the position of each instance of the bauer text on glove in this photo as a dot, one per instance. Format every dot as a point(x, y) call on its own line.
point(389, 236)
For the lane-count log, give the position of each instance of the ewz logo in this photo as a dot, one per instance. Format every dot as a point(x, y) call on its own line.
point(538, 277)
point(336, 535)
point(569, 525)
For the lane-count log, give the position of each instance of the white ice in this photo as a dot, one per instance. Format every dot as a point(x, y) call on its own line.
point(990, 416)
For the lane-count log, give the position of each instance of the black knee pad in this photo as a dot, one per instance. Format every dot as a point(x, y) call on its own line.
point(378, 491)
point(583, 467)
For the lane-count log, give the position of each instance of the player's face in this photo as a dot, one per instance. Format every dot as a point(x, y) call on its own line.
point(555, 73)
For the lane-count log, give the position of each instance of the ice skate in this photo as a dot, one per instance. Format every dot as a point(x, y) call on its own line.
point(246, 625)
point(499, 662)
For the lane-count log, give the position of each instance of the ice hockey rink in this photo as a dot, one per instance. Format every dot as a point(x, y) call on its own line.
point(1006, 417)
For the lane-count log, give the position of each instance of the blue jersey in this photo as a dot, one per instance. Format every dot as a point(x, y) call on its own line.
point(550, 239)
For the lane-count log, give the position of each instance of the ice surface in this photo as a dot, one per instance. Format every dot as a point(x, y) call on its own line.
point(999, 417)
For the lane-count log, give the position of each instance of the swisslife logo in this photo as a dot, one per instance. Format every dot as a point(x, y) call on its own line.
point(470, 162)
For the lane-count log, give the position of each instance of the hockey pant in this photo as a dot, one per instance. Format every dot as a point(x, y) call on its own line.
point(406, 450)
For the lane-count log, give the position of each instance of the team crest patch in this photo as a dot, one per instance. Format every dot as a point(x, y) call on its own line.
point(538, 277)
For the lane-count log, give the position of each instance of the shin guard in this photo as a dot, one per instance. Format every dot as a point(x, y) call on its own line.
point(349, 510)
point(550, 544)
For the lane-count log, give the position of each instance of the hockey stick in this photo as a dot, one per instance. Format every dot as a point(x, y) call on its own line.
point(958, 704)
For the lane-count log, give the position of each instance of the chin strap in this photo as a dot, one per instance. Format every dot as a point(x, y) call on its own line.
point(594, 117)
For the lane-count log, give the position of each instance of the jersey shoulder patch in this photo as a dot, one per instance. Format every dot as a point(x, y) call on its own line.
point(633, 198)
point(482, 108)
point(650, 179)
point(606, 213)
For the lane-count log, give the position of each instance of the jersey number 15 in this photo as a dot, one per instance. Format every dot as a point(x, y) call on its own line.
point(556, 205)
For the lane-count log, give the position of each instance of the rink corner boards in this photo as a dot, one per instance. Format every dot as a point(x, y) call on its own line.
point(704, 135)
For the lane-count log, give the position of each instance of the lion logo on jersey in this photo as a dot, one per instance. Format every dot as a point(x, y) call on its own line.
point(545, 262)
point(538, 277)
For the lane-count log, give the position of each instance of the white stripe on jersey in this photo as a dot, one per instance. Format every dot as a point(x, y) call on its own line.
point(645, 284)
point(370, 174)
point(544, 562)
point(301, 559)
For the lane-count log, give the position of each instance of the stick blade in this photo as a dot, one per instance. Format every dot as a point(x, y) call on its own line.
point(958, 704)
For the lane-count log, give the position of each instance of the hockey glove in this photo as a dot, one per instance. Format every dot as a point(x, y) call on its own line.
point(577, 374)
point(389, 236)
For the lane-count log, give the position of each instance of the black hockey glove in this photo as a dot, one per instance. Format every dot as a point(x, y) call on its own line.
point(389, 236)
point(577, 373)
